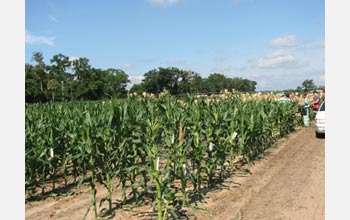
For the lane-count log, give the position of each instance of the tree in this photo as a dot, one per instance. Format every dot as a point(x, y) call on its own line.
point(77, 79)
point(91, 87)
point(196, 83)
point(81, 69)
point(138, 88)
point(158, 80)
point(216, 82)
point(308, 85)
point(184, 79)
point(58, 71)
point(32, 90)
point(178, 81)
point(39, 68)
point(40, 72)
point(52, 86)
point(115, 81)
point(246, 85)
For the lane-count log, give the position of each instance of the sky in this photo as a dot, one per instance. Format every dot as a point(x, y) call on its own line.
point(277, 43)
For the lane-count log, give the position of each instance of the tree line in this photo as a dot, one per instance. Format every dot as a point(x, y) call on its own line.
point(178, 82)
point(67, 80)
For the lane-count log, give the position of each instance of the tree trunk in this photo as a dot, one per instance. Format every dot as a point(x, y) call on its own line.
point(71, 93)
point(53, 96)
point(62, 91)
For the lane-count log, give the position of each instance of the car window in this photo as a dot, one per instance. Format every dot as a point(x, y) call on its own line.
point(323, 106)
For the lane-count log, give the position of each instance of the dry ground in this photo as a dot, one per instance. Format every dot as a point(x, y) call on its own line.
point(288, 182)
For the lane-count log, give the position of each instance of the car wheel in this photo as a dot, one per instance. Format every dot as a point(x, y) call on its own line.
point(319, 135)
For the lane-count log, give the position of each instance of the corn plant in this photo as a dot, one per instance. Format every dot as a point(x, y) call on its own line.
point(151, 146)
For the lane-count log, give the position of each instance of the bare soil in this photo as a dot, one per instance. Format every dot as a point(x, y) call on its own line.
point(288, 182)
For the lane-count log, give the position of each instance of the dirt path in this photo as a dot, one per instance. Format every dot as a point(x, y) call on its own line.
point(287, 183)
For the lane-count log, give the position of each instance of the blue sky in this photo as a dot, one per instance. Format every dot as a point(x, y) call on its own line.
point(277, 43)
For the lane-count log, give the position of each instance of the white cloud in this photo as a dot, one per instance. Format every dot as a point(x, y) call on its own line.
point(285, 41)
point(52, 18)
point(135, 79)
point(32, 39)
point(126, 66)
point(275, 59)
point(163, 2)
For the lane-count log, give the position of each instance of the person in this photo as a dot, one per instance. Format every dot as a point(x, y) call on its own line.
point(323, 95)
point(283, 99)
point(300, 100)
point(305, 105)
point(293, 97)
point(289, 100)
point(315, 101)
point(295, 100)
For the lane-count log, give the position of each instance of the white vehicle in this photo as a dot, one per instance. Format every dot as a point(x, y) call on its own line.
point(321, 120)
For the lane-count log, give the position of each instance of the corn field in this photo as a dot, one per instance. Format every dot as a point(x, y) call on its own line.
point(167, 148)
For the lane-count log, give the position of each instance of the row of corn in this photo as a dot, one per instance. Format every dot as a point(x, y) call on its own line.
point(164, 148)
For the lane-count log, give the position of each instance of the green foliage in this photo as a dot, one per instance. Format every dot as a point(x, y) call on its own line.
point(216, 82)
point(178, 81)
point(148, 145)
point(138, 88)
point(307, 86)
point(157, 81)
point(71, 80)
